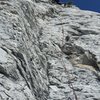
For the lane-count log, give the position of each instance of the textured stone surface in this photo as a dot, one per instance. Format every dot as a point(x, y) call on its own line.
point(48, 52)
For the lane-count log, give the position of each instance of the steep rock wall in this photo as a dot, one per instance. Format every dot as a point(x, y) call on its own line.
point(48, 52)
point(23, 67)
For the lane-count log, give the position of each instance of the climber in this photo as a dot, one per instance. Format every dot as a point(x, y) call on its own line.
point(61, 2)
point(65, 2)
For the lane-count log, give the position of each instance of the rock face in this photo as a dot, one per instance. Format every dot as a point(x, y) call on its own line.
point(48, 52)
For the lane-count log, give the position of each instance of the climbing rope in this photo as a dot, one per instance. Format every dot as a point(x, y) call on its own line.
point(64, 66)
point(67, 73)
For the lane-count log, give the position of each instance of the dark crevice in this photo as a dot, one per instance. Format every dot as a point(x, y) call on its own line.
point(83, 32)
point(3, 71)
point(62, 23)
point(21, 59)
point(21, 73)
point(21, 68)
